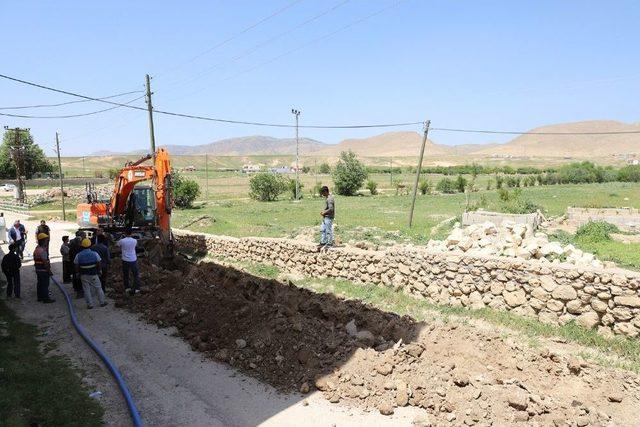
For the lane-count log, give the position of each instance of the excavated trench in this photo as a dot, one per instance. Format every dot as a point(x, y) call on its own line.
point(297, 341)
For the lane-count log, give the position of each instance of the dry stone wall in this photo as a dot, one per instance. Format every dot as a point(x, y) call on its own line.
point(608, 300)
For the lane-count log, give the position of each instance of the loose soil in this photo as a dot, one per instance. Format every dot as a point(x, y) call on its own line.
point(297, 340)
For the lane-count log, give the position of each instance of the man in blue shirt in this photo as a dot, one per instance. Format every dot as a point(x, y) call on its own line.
point(87, 264)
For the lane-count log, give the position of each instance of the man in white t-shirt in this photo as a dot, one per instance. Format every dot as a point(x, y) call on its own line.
point(129, 262)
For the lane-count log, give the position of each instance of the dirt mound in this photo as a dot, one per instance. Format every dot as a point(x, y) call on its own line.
point(284, 335)
point(297, 340)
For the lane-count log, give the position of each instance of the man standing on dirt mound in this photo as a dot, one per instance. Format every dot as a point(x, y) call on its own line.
point(129, 262)
point(87, 264)
point(43, 268)
point(328, 214)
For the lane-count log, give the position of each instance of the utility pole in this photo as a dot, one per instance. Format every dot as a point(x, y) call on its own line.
point(206, 174)
point(297, 114)
point(17, 152)
point(315, 170)
point(415, 186)
point(64, 212)
point(150, 108)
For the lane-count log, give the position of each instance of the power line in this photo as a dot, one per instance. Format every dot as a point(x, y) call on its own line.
point(68, 102)
point(249, 51)
point(69, 116)
point(282, 125)
point(508, 132)
point(238, 34)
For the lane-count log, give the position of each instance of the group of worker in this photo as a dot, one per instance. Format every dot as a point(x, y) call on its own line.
point(85, 263)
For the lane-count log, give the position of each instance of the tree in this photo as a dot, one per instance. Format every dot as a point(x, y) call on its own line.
point(291, 187)
point(461, 183)
point(34, 158)
point(324, 168)
point(446, 185)
point(185, 190)
point(425, 186)
point(349, 174)
point(372, 186)
point(267, 186)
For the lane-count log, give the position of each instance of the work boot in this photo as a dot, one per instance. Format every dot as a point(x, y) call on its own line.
point(104, 304)
point(89, 307)
point(48, 300)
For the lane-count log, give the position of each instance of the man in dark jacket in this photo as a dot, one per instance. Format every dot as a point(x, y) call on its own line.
point(11, 268)
point(43, 269)
point(75, 249)
point(101, 247)
point(43, 228)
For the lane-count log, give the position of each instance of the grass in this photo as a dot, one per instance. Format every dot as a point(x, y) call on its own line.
point(36, 389)
point(389, 213)
point(619, 352)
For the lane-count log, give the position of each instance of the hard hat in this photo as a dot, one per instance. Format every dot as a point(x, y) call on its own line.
point(43, 236)
point(85, 243)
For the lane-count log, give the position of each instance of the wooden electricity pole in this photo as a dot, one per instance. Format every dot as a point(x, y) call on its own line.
point(64, 212)
point(415, 186)
point(152, 135)
point(206, 174)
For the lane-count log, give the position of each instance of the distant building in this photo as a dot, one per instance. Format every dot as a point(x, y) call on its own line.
point(189, 168)
point(282, 170)
point(250, 168)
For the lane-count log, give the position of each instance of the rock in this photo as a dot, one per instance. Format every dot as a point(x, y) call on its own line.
point(628, 300)
point(518, 401)
point(240, 343)
point(615, 397)
point(626, 329)
point(422, 420)
point(366, 337)
point(461, 380)
point(516, 298)
point(304, 388)
point(351, 328)
point(385, 408)
point(402, 394)
point(384, 369)
point(588, 320)
point(303, 355)
point(413, 349)
point(564, 293)
point(574, 365)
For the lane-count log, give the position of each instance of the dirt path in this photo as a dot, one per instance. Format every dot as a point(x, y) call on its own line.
point(171, 384)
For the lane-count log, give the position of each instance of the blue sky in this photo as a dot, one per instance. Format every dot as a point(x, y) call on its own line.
point(475, 64)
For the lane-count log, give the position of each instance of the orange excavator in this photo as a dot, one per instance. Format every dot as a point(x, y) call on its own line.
point(145, 209)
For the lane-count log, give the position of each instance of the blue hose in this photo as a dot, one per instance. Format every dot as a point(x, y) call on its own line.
point(133, 410)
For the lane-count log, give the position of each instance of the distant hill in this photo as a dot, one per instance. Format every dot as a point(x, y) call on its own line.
point(579, 146)
point(396, 144)
point(242, 146)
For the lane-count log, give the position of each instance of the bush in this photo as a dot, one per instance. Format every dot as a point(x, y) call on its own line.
point(306, 169)
point(349, 174)
point(114, 172)
point(185, 190)
point(266, 186)
point(324, 168)
point(446, 185)
point(372, 186)
point(629, 173)
point(291, 187)
point(425, 186)
point(461, 183)
point(315, 191)
point(596, 231)
point(514, 203)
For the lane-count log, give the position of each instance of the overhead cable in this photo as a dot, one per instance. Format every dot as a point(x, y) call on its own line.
point(68, 102)
point(282, 125)
point(69, 116)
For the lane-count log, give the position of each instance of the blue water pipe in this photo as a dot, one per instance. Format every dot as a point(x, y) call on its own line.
point(133, 410)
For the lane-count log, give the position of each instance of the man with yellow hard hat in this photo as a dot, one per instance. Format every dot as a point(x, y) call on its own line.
point(87, 264)
point(43, 268)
